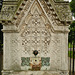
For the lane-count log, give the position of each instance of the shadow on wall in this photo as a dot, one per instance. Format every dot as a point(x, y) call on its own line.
point(1, 60)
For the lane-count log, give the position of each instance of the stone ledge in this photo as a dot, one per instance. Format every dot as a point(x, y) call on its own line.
point(35, 72)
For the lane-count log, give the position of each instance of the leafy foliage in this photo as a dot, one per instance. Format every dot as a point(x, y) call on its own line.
point(72, 5)
point(71, 54)
point(72, 32)
point(72, 26)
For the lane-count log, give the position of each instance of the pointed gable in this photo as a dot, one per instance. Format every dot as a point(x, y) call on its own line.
point(34, 12)
point(55, 10)
point(48, 11)
point(34, 28)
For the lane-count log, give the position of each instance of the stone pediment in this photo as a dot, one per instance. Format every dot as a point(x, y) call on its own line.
point(57, 10)
point(51, 13)
point(36, 16)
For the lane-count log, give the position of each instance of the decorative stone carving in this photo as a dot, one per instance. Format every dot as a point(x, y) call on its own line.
point(25, 61)
point(36, 34)
point(35, 63)
point(23, 12)
point(60, 8)
point(45, 61)
point(10, 8)
point(35, 25)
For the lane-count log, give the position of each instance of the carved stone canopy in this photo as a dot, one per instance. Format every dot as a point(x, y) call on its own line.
point(57, 12)
point(11, 9)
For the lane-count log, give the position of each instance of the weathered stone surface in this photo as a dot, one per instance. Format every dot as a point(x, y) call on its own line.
point(35, 25)
point(35, 73)
point(59, 6)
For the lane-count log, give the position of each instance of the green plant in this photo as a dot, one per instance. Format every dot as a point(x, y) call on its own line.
point(71, 54)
